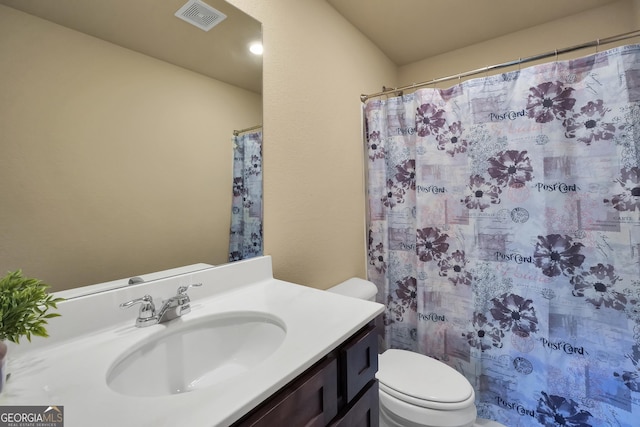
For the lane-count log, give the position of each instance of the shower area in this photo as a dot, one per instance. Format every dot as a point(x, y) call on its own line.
point(504, 235)
point(245, 236)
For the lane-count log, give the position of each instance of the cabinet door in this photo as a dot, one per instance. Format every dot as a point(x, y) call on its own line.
point(359, 360)
point(311, 401)
point(364, 411)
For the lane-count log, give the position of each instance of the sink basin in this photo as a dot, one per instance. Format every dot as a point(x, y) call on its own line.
point(196, 354)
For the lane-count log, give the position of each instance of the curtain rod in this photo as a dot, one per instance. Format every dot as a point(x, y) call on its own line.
point(555, 53)
point(238, 132)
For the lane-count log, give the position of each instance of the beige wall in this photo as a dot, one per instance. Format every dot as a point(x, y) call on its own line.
point(612, 19)
point(315, 67)
point(636, 10)
point(114, 164)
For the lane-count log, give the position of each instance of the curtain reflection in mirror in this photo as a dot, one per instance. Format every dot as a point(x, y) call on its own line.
point(245, 240)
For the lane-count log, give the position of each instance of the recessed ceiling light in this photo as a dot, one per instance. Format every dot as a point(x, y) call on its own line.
point(256, 48)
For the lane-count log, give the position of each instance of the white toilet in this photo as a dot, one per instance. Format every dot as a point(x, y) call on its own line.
point(416, 390)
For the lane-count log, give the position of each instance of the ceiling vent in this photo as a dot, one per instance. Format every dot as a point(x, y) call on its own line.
point(200, 14)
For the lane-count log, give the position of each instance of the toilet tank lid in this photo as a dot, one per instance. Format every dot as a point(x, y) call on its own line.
point(357, 288)
point(422, 377)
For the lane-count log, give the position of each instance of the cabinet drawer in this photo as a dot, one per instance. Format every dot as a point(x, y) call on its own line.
point(364, 411)
point(310, 401)
point(359, 362)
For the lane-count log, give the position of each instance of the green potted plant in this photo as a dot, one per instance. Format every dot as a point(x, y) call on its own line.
point(24, 310)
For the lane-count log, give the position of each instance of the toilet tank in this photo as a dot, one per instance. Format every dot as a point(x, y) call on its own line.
point(357, 288)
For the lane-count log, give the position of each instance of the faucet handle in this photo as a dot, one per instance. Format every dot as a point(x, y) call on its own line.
point(147, 311)
point(183, 300)
point(182, 290)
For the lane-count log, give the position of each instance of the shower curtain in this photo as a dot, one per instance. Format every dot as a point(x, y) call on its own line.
point(245, 240)
point(504, 236)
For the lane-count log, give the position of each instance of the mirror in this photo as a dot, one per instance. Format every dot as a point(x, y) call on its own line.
point(117, 122)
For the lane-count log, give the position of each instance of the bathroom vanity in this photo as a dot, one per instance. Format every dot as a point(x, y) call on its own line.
point(340, 390)
point(252, 351)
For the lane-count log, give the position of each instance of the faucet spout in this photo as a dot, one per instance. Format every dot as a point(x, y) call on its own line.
point(175, 306)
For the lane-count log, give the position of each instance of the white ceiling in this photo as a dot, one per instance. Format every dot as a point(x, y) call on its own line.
point(411, 30)
point(150, 27)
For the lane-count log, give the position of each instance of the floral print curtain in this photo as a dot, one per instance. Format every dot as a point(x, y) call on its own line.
point(504, 236)
point(245, 240)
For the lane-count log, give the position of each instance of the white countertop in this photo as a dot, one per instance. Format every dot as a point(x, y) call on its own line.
point(70, 368)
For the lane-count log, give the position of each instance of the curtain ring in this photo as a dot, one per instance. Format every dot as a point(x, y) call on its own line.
point(556, 55)
point(597, 45)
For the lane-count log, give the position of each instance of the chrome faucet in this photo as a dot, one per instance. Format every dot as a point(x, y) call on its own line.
point(174, 307)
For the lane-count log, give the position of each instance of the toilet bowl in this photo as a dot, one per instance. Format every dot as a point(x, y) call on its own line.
point(416, 390)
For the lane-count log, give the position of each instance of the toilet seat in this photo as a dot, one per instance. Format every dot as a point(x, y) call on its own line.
point(422, 381)
point(428, 404)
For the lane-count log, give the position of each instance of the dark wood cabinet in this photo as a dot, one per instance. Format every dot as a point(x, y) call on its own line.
point(338, 391)
point(363, 411)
